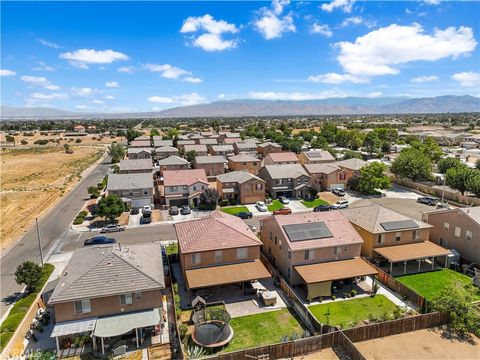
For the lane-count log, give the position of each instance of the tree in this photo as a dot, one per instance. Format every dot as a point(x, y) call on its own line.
point(319, 143)
point(372, 142)
point(131, 134)
point(477, 164)
point(209, 198)
point(386, 147)
point(431, 148)
point(373, 177)
point(94, 192)
point(329, 131)
point(355, 139)
point(412, 164)
point(116, 169)
point(457, 178)
point(473, 182)
point(10, 139)
point(117, 152)
point(29, 274)
point(447, 163)
point(191, 155)
point(154, 132)
point(110, 207)
point(350, 154)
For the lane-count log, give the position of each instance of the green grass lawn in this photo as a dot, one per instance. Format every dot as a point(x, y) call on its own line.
point(262, 329)
point(275, 205)
point(314, 203)
point(233, 210)
point(430, 284)
point(344, 313)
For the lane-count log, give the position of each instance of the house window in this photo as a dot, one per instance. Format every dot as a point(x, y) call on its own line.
point(242, 253)
point(138, 295)
point(289, 254)
point(380, 238)
point(309, 254)
point(458, 231)
point(398, 236)
point(218, 256)
point(288, 273)
point(194, 188)
point(276, 240)
point(415, 235)
point(279, 181)
point(446, 226)
point(336, 250)
point(130, 193)
point(244, 163)
point(343, 176)
point(345, 248)
point(271, 236)
point(254, 164)
point(468, 235)
point(196, 258)
point(125, 299)
point(82, 306)
point(173, 188)
point(259, 186)
point(145, 192)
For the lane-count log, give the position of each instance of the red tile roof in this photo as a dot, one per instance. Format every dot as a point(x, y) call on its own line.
point(216, 231)
point(283, 156)
point(184, 177)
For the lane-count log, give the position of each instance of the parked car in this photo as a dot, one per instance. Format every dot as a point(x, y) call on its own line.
point(428, 200)
point(322, 208)
point(444, 205)
point(174, 210)
point(147, 208)
point(339, 191)
point(342, 204)
point(185, 210)
point(99, 240)
point(245, 215)
point(260, 205)
point(112, 228)
point(134, 211)
point(253, 228)
point(146, 218)
point(283, 211)
point(284, 200)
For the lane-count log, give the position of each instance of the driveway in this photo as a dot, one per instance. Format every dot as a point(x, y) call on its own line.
point(297, 206)
point(255, 211)
point(134, 220)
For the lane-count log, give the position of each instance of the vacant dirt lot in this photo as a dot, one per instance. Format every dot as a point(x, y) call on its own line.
point(423, 344)
point(33, 179)
point(89, 139)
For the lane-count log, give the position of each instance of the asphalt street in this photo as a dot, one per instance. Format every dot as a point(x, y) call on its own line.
point(54, 228)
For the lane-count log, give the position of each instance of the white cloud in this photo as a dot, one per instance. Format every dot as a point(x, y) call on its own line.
point(160, 99)
point(81, 106)
point(49, 44)
point(467, 79)
point(98, 101)
point(377, 52)
point(358, 20)
point(423, 79)
point(112, 84)
point(222, 96)
point(39, 81)
point(375, 94)
point(432, 2)
point(211, 38)
point(42, 66)
point(86, 91)
point(82, 57)
point(344, 5)
point(166, 70)
point(185, 100)
point(109, 97)
point(270, 24)
point(126, 69)
point(334, 78)
point(316, 28)
point(5, 72)
point(51, 96)
point(297, 96)
point(192, 79)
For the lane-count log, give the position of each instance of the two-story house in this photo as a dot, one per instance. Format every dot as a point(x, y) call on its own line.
point(457, 229)
point(289, 180)
point(268, 147)
point(281, 158)
point(183, 187)
point(139, 153)
point(213, 165)
point(245, 147)
point(173, 163)
point(218, 249)
point(326, 176)
point(165, 151)
point(181, 144)
point(244, 162)
point(351, 166)
point(110, 293)
point(223, 150)
point(241, 187)
point(402, 241)
point(315, 157)
point(137, 188)
point(158, 142)
point(314, 251)
point(140, 143)
point(200, 150)
point(135, 166)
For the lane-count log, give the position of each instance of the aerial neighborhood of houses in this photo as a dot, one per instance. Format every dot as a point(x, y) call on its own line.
point(303, 248)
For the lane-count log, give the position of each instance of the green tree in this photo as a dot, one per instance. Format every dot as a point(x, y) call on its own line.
point(116, 169)
point(372, 142)
point(343, 138)
point(477, 164)
point(209, 198)
point(29, 274)
point(110, 207)
point(473, 182)
point(154, 132)
point(386, 147)
point(131, 134)
point(329, 131)
point(431, 148)
point(191, 155)
point(373, 177)
point(94, 192)
point(457, 178)
point(350, 154)
point(10, 139)
point(355, 139)
point(412, 164)
point(117, 152)
point(319, 143)
point(447, 163)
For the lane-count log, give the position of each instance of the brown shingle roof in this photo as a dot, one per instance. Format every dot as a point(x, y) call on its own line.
point(352, 164)
point(243, 158)
point(196, 147)
point(321, 168)
point(315, 155)
point(184, 177)
point(283, 156)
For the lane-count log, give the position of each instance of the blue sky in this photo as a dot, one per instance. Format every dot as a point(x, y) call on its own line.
point(122, 56)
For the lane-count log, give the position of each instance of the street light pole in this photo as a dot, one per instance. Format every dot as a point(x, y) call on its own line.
point(39, 242)
point(443, 188)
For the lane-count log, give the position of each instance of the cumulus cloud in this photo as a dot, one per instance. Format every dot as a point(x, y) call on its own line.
point(357, 20)
point(185, 100)
point(42, 66)
point(160, 99)
point(467, 78)
point(82, 57)
point(208, 32)
point(334, 78)
point(344, 5)
point(52, 96)
point(49, 44)
point(85, 91)
point(298, 96)
point(270, 24)
point(166, 70)
point(324, 29)
point(375, 94)
point(432, 2)
point(126, 69)
point(39, 81)
point(96, 101)
point(5, 72)
point(424, 79)
point(112, 84)
point(109, 97)
point(192, 79)
point(81, 107)
point(378, 52)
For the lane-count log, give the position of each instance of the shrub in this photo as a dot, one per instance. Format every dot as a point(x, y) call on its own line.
point(353, 292)
point(78, 141)
point(82, 213)
point(333, 297)
point(24, 142)
point(182, 329)
point(78, 221)
point(4, 339)
point(41, 142)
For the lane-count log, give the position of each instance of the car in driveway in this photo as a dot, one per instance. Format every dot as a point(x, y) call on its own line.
point(99, 240)
point(174, 211)
point(284, 200)
point(112, 228)
point(147, 208)
point(134, 211)
point(283, 211)
point(428, 200)
point(339, 191)
point(341, 204)
point(185, 210)
point(146, 218)
point(244, 215)
point(320, 208)
point(260, 205)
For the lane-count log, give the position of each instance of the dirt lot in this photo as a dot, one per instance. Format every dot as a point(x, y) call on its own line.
point(325, 354)
point(90, 139)
point(33, 179)
point(422, 344)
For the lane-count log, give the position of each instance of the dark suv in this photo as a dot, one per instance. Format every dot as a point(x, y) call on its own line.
point(245, 215)
point(99, 240)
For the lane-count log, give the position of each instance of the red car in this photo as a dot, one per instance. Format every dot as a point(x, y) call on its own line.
point(284, 211)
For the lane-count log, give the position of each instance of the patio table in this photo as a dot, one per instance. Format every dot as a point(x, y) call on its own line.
point(269, 298)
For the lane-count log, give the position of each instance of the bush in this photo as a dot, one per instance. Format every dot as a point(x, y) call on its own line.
point(78, 221)
point(41, 142)
point(78, 141)
point(82, 213)
point(182, 329)
point(24, 142)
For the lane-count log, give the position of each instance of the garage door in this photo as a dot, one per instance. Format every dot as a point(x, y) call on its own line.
point(178, 202)
point(139, 203)
point(333, 186)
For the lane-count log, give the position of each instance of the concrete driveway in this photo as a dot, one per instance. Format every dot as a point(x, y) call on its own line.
point(253, 209)
point(297, 206)
point(134, 220)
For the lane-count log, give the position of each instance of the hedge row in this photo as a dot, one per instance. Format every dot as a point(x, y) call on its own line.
point(80, 217)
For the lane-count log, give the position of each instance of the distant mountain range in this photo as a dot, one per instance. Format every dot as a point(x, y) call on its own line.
point(235, 108)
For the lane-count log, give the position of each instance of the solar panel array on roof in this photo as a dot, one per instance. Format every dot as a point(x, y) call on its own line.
point(399, 225)
point(307, 231)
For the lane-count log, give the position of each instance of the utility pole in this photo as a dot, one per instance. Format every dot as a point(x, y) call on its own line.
point(39, 242)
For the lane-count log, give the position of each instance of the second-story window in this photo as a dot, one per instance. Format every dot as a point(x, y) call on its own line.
point(468, 235)
point(336, 250)
point(446, 226)
point(415, 235)
point(218, 256)
point(289, 254)
point(196, 258)
point(138, 295)
point(380, 238)
point(398, 236)
point(242, 253)
point(125, 299)
point(458, 231)
point(82, 306)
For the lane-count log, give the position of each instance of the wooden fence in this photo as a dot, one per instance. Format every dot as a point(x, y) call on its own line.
point(348, 347)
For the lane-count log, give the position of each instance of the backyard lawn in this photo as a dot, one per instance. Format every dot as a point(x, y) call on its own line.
point(262, 329)
point(275, 205)
point(314, 203)
point(431, 284)
point(344, 313)
point(233, 210)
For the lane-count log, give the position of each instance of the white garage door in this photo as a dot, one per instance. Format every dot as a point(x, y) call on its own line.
point(341, 186)
point(141, 202)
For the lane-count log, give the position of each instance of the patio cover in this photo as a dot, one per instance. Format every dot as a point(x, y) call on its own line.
point(413, 251)
point(73, 327)
point(121, 324)
point(335, 270)
point(226, 274)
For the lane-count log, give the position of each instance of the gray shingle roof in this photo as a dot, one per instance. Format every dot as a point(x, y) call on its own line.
point(285, 171)
point(222, 148)
point(352, 164)
point(137, 150)
point(319, 155)
point(237, 176)
point(98, 271)
point(136, 164)
point(129, 181)
point(268, 143)
point(167, 148)
point(210, 159)
point(172, 160)
point(160, 143)
point(244, 158)
point(321, 168)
